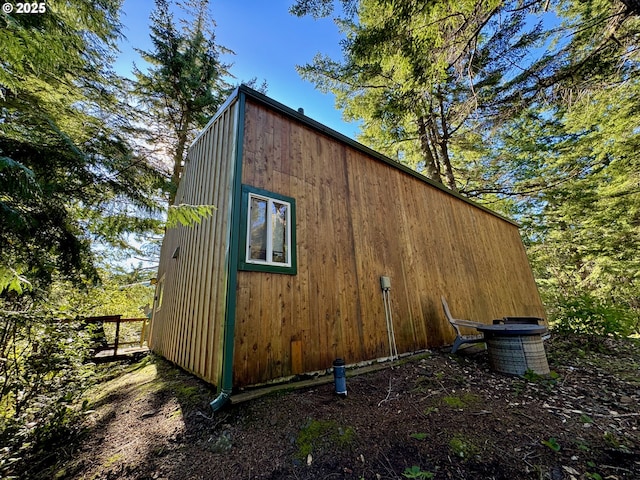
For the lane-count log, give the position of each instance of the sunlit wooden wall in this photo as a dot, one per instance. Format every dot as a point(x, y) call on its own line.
point(187, 329)
point(359, 218)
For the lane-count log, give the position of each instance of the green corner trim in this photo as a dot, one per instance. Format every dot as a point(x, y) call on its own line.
point(226, 385)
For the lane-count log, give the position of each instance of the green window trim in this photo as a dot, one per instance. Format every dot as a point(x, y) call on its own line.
point(245, 262)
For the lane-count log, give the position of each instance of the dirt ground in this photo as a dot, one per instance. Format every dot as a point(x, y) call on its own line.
point(435, 416)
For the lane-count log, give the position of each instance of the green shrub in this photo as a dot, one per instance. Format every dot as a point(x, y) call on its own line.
point(44, 374)
point(593, 317)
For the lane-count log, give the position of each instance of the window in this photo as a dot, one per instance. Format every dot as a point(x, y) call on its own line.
point(268, 232)
point(159, 294)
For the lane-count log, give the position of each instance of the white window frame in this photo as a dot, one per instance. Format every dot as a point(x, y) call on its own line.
point(270, 201)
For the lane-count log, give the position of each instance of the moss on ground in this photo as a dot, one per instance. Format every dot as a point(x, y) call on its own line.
point(319, 435)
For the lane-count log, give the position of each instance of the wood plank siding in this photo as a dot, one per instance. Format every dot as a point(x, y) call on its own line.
point(359, 218)
point(188, 327)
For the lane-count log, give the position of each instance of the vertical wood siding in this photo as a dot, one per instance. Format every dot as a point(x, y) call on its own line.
point(358, 219)
point(188, 327)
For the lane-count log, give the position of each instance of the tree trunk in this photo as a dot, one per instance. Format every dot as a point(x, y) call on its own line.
point(175, 178)
point(448, 170)
point(431, 167)
point(444, 145)
point(178, 162)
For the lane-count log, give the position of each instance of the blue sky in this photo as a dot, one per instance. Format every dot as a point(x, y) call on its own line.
point(268, 43)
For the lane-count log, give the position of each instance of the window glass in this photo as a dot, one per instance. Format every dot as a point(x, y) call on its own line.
point(258, 229)
point(279, 214)
point(268, 234)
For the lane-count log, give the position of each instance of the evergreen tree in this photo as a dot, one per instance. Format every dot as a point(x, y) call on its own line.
point(69, 176)
point(593, 44)
point(184, 86)
point(432, 80)
point(68, 172)
point(579, 199)
point(420, 74)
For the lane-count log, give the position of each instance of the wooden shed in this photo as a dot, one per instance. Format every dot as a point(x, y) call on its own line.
point(285, 277)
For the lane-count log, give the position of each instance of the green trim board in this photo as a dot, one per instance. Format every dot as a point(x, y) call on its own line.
point(256, 267)
point(226, 385)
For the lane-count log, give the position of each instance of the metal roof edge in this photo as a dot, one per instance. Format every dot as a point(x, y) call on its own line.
point(290, 112)
point(230, 99)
